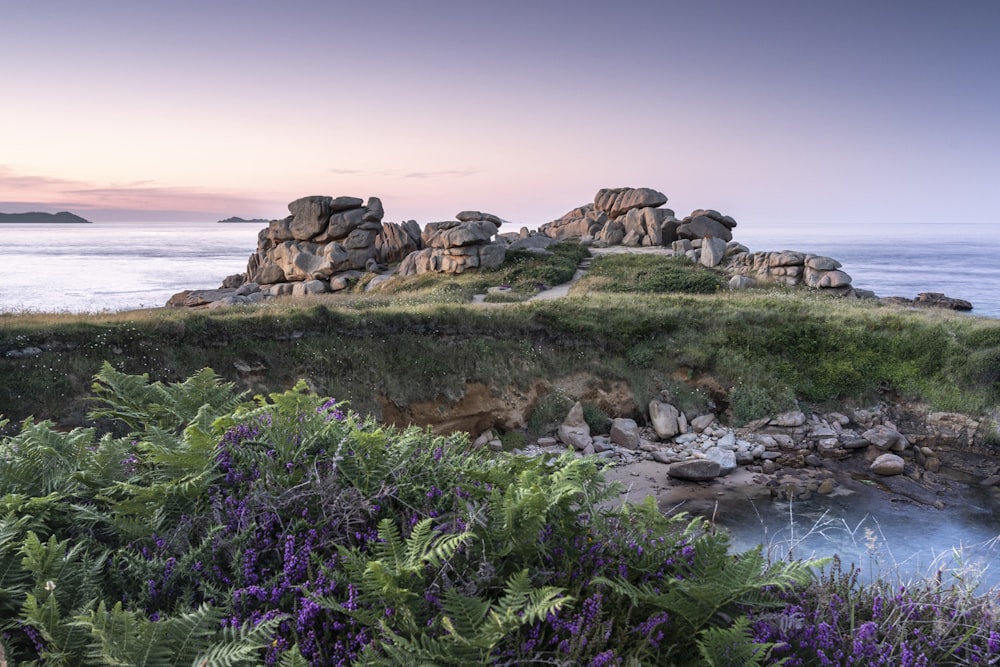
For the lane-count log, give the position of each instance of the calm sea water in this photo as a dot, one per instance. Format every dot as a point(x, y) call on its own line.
point(121, 266)
point(113, 266)
point(902, 259)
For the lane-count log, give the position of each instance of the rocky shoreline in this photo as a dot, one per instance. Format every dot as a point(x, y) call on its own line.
point(327, 244)
point(910, 453)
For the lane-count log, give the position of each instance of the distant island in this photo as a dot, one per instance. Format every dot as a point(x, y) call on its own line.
point(37, 216)
point(238, 219)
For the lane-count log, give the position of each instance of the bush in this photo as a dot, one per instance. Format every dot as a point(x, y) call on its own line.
point(292, 531)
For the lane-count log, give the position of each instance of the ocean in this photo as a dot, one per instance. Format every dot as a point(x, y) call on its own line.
point(123, 266)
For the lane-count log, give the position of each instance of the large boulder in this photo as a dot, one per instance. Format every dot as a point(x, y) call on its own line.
point(309, 216)
point(397, 240)
point(574, 431)
point(625, 433)
point(665, 419)
point(701, 227)
point(616, 201)
point(885, 437)
point(695, 470)
point(938, 300)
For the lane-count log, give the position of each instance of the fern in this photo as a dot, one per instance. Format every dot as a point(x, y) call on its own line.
point(474, 626)
point(734, 646)
point(141, 405)
point(717, 586)
point(121, 637)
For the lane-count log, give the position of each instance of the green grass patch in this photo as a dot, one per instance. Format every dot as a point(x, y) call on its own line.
point(652, 273)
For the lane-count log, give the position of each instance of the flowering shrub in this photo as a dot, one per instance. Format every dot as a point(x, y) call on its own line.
point(289, 530)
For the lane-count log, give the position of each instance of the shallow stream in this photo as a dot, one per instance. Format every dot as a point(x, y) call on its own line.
point(885, 534)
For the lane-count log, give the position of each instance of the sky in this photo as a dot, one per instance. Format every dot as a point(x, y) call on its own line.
point(776, 112)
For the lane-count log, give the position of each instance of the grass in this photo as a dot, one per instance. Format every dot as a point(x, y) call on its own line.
point(419, 339)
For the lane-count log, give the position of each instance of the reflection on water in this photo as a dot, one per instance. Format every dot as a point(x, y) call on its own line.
point(884, 535)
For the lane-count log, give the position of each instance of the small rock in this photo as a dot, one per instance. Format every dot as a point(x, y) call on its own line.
point(887, 465)
point(826, 486)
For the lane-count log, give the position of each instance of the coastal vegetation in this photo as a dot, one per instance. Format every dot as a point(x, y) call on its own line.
point(158, 512)
point(418, 338)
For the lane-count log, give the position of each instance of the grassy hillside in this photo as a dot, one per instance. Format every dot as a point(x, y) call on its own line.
point(652, 323)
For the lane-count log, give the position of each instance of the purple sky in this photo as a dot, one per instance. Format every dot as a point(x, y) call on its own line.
point(775, 112)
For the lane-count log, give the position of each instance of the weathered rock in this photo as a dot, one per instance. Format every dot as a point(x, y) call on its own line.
point(789, 419)
point(938, 300)
point(726, 458)
point(397, 240)
point(625, 433)
point(574, 431)
point(663, 417)
point(616, 201)
point(741, 283)
point(695, 470)
point(713, 251)
point(887, 465)
point(701, 422)
point(309, 216)
point(886, 438)
point(701, 227)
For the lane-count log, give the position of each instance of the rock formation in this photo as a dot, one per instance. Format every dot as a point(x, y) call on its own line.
point(327, 243)
point(455, 246)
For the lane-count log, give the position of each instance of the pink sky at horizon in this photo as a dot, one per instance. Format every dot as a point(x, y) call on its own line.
point(774, 112)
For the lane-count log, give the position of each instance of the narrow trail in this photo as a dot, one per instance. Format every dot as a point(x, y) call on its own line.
point(560, 291)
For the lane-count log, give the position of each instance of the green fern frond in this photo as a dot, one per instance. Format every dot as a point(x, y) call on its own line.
point(292, 657)
point(733, 646)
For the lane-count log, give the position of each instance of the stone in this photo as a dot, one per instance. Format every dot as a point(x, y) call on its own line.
point(374, 210)
point(887, 465)
point(727, 441)
point(695, 470)
point(938, 300)
point(338, 204)
point(663, 417)
point(625, 433)
point(726, 458)
point(310, 287)
point(701, 227)
point(826, 487)
point(713, 251)
point(616, 201)
point(536, 241)
point(789, 419)
point(574, 430)
point(819, 263)
point(885, 437)
point(741, 283)
point(701, 422)
point(309, 216)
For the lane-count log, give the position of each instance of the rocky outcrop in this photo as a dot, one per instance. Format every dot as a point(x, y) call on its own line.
point(397, 240)
point(618, 201)
point(618, 216)
point(456, 246)
point(327, 243)
point(789, 268)
point(322, 237)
